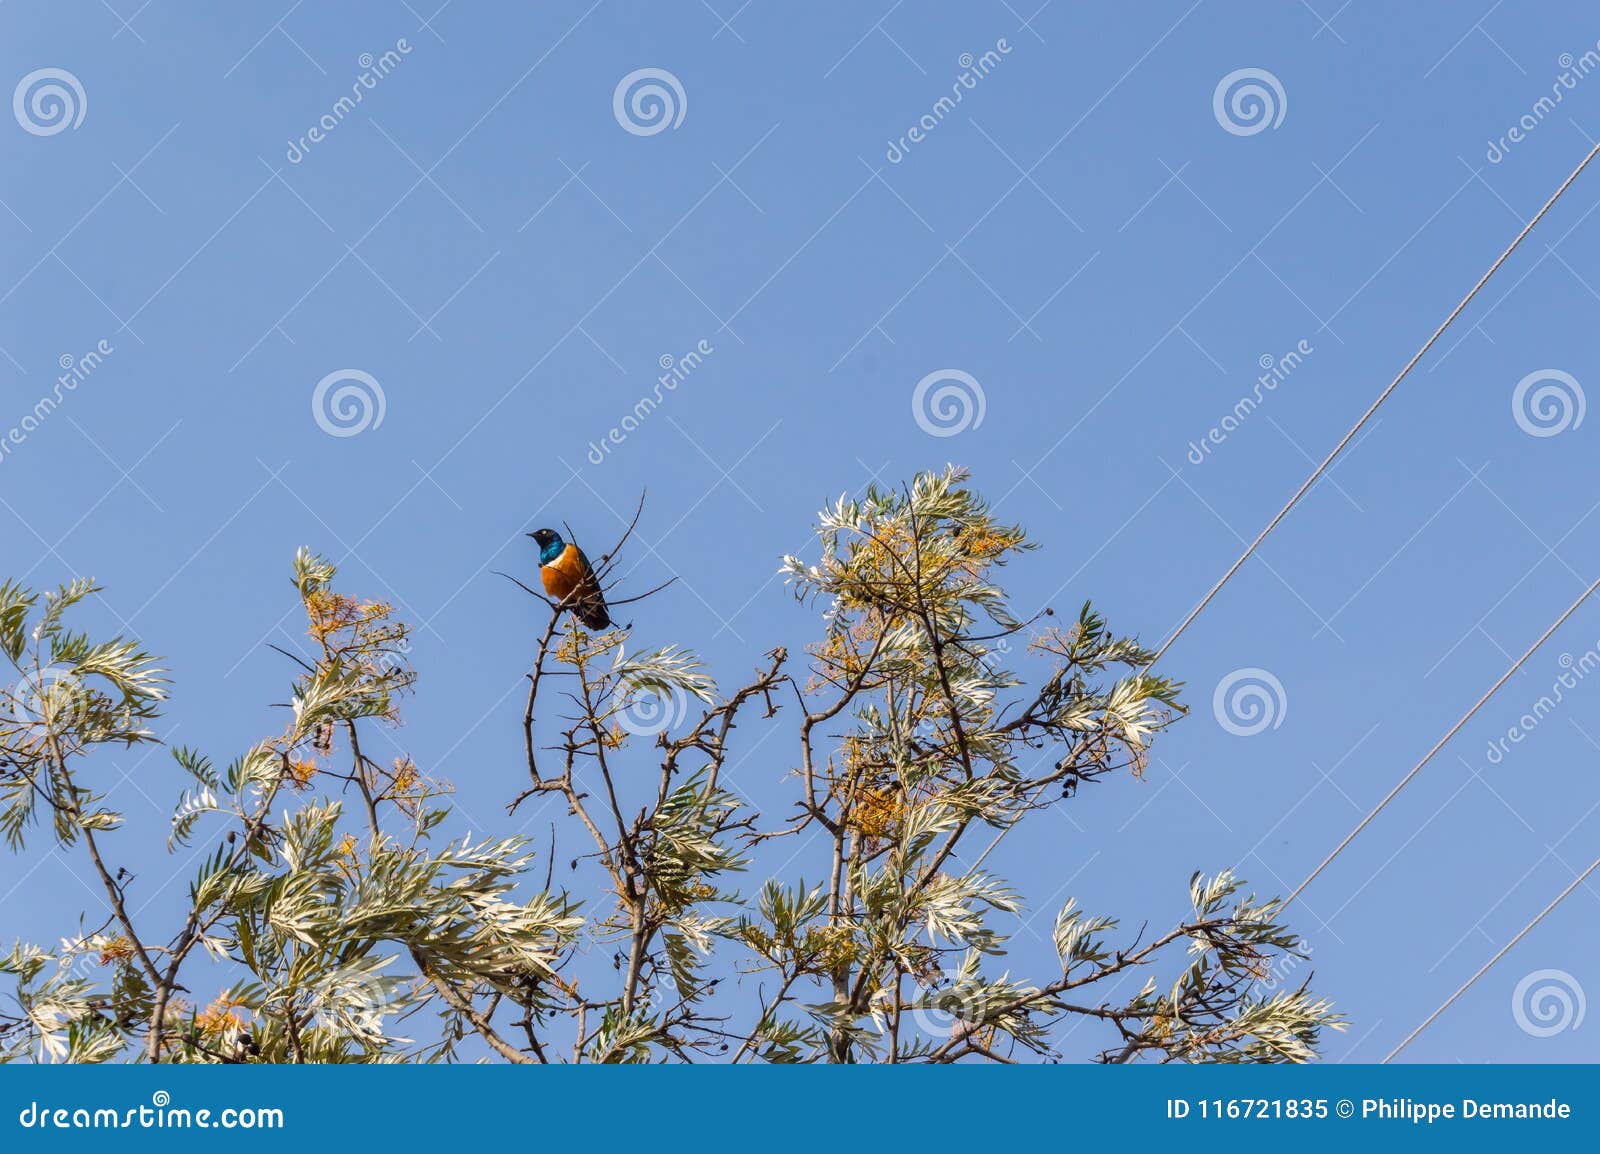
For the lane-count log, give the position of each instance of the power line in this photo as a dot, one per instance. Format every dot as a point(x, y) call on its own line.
point(1443, 741)
point(1243, 557)
point(1312, 479)
point(1504, 950)
point(1366, 416)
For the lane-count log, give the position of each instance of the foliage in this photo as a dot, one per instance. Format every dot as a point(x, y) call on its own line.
point(345, 929)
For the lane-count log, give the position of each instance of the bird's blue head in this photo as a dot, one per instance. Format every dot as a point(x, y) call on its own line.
point(550, 544)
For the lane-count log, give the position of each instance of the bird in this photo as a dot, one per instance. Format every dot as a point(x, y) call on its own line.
point(569, 578)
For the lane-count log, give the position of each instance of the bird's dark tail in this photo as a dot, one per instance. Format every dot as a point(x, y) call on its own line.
point(593, 614)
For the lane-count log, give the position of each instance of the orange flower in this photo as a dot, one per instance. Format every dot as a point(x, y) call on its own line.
point(220, 1018)
point(329, 612)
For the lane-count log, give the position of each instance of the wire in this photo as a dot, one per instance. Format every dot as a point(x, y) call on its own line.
point(1312, 480)
point(1443, 741)
point(1516, 665)
point(1504, 950)
point(1366, 416)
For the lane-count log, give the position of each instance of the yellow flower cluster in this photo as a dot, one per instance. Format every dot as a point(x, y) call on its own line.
point(115, 949)
point(829, 948)
point(877, 811)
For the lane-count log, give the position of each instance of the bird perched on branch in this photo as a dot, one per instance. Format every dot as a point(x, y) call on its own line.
point(569, 578)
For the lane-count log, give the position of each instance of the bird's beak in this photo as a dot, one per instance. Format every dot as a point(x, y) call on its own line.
point(529, 534)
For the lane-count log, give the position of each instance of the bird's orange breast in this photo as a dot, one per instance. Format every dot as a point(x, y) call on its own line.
point(564, 574)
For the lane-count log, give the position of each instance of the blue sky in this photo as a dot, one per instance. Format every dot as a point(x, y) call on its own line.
point(1082, 236)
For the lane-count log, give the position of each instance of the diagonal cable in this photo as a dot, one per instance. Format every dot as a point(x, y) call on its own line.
point(1312, 480)
point(1442, 742)
point(1374, 407)
point(1504, 950)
